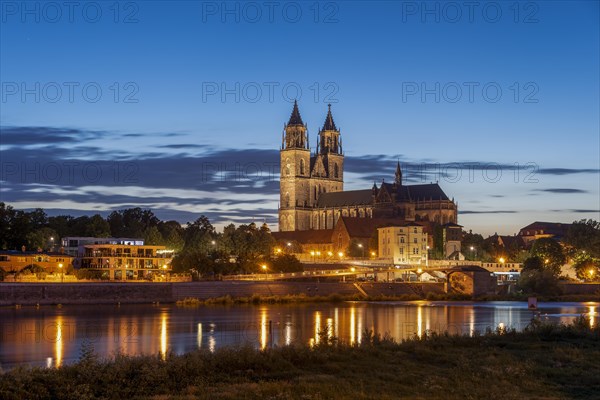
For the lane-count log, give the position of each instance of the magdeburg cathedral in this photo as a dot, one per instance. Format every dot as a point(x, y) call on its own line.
point(312, 192)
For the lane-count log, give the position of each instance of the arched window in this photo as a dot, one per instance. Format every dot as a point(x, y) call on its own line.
point(302, 167)
point(336, 171)
point(287, 200)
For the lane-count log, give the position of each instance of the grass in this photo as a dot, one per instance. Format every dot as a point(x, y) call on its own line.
point(543, 362)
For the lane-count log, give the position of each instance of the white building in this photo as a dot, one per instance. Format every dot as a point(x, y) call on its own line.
point(72, 244)
point(403, 244)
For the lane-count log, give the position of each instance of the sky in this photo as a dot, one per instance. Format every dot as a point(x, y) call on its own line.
point(179, 106)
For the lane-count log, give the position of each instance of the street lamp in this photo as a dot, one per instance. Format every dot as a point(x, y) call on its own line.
point(341, 254)
point(360, 245)
point(264, 268)
point(501, 259)
point(312, 253)
point(591, 272)
point(62, 275)
point(52, 241)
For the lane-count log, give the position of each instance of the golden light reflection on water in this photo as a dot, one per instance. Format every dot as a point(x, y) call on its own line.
point(592, 314)
point(263, 329)
point(288, 333)
point(199, 336)
point(419, 320)
point(352, 325)
point(59, 344)
point(163, 335)
point(317, 326)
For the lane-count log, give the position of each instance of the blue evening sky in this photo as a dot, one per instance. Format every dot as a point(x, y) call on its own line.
point(186, 86)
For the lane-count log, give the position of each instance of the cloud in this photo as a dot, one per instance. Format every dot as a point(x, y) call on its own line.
point(488, 212)
point(562, 190)
point(27, 135)
point(69, 169)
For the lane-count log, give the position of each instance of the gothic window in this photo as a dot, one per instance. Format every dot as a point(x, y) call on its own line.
point(287, 200)
point(316, 193)
point(336, 171)
point(301, 167)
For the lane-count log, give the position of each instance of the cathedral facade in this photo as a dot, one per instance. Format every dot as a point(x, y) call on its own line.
point(312, 195)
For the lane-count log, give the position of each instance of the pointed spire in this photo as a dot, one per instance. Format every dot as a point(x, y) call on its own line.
point(295, 118)
point(398, 180)
point(329, 125)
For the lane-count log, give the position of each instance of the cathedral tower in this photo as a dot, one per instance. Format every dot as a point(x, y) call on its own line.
point(294, 183)
point(328, 165)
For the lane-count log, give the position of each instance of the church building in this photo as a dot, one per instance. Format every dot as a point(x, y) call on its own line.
point(312, 195)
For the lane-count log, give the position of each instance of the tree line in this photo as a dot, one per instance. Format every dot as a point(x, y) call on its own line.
point(198, 246)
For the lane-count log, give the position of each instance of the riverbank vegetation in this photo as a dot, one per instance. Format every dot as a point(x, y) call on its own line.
point(544, 361)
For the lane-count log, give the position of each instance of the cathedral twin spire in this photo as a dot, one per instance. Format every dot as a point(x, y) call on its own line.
point(329, 140)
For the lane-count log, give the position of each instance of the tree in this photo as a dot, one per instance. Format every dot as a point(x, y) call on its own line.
point(152, 236)
point(584, 235)
point(541, 282)
point(551, 252)
point(285, 263)
point(533, 264)
point(587, 267)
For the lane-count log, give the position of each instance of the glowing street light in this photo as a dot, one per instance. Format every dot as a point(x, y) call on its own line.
point(591, 272)
point(360, 245)
point(501, 259)
point(62, 275)
point(340, 254)
point(264, 268)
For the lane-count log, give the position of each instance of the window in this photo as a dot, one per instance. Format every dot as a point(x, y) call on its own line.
point(415, 240)
point(416, 250)
point(287, 200)
point(401, 239)
point(336, 171)
point(302, 167)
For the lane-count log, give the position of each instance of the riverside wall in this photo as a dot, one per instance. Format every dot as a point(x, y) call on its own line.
point(131, 293)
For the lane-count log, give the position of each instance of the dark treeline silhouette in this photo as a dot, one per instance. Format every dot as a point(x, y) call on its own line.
point(199, 247)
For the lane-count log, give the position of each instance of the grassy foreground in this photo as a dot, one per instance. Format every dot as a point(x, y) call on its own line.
point(543, 362)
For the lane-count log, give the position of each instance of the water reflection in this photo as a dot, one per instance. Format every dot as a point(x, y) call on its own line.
point(163, 335)
point(52, 337)
point(58, 348)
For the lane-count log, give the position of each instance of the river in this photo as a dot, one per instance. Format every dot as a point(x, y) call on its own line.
point(52, 336)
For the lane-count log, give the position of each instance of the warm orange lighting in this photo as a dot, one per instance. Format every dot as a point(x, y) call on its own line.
point(419, 271)
point(501, 259)
point(341, 254)
point(360, 245)
point(352, 269)
point(373, 253)
point(289, 244)
point(278, 250)
point(264, 267)
point(318, 253)
point(312, 253)
point(329, 253)
point(60, 266)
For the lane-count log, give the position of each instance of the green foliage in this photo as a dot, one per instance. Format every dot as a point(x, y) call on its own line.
point(540, 282)
point(551, 252)
point(533, 264)
point(285, 263)
point(584, 235)
point(587, 267)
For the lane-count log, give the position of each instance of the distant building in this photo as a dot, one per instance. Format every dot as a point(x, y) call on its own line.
point(452, 238)
point(403, 244)
point(538, 230)
point(312, 195)
point(126, 262)
point(71, 244)
point(15, 261)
